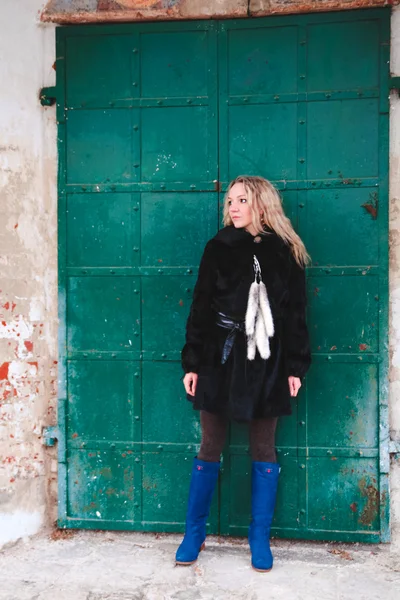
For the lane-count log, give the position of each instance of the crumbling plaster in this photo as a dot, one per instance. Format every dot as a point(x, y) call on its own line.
point(28, 268)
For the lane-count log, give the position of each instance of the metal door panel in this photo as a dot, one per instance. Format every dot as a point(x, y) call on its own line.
point(263, 62)
point(342, 407)
point(329, 214)
point(100, 146)
point(98, 70)
point(102, 486)
point(255, 143)
point(343, 494)
point(102, 230)
point(101, 401)
point(193, 217)
point(343, 55)
point(174, 65)
point(336, 150)
point(154, 120)
point(342, 320)
point(103, 314)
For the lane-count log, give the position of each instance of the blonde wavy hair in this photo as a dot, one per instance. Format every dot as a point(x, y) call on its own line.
point(266, 207)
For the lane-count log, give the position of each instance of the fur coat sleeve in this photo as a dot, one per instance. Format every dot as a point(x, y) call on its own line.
point(297, 342)
point(201, 315)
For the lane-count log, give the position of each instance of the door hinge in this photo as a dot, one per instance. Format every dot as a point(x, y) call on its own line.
point(394, 84)
point(394, 448)
point(50, 435)
point(48, 96)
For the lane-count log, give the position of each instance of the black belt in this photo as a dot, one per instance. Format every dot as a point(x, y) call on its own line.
point(234, 326)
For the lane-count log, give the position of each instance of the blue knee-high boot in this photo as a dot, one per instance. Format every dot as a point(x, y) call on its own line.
point(202, 485)
point(264, 485)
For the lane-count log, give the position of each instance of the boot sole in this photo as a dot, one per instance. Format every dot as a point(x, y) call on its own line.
point(261, 570)
point(187, 564)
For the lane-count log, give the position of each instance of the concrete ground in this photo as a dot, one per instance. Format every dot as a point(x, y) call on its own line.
point(135, 566)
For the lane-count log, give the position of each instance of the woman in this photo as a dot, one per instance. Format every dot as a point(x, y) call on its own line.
point(247, 351)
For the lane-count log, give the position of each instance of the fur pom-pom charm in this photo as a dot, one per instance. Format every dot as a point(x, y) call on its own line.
point(259, 321)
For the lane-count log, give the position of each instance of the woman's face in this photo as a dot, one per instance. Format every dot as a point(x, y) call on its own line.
point(239, 209)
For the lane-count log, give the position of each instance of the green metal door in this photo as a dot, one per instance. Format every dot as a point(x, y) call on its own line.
point(154, 120)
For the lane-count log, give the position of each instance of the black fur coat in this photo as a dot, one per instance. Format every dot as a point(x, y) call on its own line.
point(245, 389)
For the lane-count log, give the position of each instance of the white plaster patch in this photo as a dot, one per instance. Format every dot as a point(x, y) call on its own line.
point(18, 525)
point(19, 330)
point(19, 370)
point(36, 310)
point(16, 329)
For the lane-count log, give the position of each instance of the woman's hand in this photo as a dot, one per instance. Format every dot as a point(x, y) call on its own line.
point(190, 383)
point(294, 385)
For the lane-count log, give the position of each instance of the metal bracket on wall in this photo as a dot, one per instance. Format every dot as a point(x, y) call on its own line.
point(50, 435)
point(394, 84)
point(394, 449)
point(48, 96)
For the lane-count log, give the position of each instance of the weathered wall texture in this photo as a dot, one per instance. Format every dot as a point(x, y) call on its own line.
point(258, 8)
point(86, 11)
point(394, 276)
point(28, 250)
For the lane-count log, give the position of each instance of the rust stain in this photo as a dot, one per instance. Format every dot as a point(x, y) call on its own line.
point(353, 506)
point(371, 508)
point(217, 186)
point(363, 346)
point(316, 291)
point(106, 472)
point(28, 346)
point(370, 208)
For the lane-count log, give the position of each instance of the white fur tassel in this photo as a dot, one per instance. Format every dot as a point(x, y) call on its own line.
point(262, 340)
point(259, 321)
point(252, 308)
point(266, 310)
point(251, 348)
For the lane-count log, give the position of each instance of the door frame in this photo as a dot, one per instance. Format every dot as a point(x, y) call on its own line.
point(383, 231)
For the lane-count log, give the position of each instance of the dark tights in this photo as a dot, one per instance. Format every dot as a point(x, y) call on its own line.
point(213, 435)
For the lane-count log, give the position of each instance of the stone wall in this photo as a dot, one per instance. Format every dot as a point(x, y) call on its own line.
point(86, 11)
